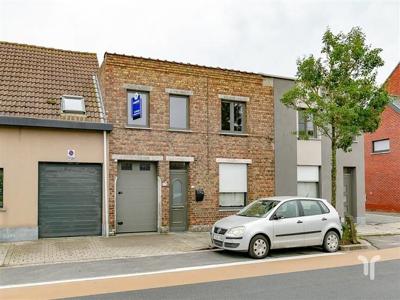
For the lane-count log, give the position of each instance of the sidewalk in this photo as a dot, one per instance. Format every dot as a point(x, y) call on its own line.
point(380, 224)
point(75, 249)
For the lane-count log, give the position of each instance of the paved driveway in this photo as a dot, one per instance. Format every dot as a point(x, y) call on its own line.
point(58, 250)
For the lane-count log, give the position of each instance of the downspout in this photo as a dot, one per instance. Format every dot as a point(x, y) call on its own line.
point(105, 158)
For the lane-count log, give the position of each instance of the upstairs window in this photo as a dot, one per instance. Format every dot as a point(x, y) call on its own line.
point(233, 116)
point(306, 128)
point(73, 104)
point(381, 146)
point(178, 112)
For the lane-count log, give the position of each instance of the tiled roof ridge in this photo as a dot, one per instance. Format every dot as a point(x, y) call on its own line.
point(47, 48)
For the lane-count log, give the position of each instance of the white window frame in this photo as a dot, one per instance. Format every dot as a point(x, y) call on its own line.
point(70, 109)
point(228, 183)
point(383, 150)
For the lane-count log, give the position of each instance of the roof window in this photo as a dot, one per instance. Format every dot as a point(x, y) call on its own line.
point(73, 104)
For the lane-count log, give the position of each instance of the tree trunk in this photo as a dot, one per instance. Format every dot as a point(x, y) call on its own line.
point(333, 167)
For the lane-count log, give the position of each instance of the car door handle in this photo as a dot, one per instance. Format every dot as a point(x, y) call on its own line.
point(324, 219)
point(299, 221)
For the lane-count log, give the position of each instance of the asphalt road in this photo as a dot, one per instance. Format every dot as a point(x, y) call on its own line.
point(65, 271)
point(336, 283)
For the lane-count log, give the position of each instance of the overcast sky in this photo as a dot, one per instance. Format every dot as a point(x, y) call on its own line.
point(261, 36)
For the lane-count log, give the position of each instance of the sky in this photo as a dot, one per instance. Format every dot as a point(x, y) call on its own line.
point(259, 36)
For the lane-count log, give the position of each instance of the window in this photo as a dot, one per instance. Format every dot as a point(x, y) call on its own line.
point(381, 146)
point(288, 209)
point(308, 181)
point(73, 104)
point(1, 188)
point(311, 208)
point(178, 112)
point(233, 116)
point(306, 128)
point(126, 166)
point(138, 109)
point(144, 166)
point(232, 185)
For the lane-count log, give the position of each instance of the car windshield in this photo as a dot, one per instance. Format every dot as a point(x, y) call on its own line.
point(258, 208)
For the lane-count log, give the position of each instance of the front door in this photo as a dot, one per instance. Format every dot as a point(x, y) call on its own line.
point(348, 191)
point(178, 197)
point(289, 228)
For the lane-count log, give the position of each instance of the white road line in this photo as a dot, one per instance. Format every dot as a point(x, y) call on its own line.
point(214, 266)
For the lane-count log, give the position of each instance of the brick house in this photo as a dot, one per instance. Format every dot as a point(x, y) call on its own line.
point(190, 144)
point(52, 144)
point(382, 154)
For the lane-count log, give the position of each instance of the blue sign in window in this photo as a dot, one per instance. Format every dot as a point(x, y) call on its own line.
point(136, 107)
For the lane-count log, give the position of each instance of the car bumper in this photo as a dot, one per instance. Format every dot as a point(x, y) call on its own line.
point(230, 244)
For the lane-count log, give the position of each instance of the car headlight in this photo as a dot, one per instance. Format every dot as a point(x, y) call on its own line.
point(236, 232)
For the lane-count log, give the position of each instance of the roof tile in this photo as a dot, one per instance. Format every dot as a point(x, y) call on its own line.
point(33, 79)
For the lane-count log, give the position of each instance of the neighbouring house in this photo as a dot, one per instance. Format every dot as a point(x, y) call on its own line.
point(382, 154)
point(52, 144)
point(190, 144)
point(302, 159)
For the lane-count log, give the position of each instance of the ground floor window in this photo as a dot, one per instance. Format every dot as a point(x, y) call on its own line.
point(308, 181)
point(232, 185)
point(1, 188)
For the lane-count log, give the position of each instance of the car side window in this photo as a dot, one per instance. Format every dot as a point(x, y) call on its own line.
point(311, 207)
point(288, 209)
point(324, 208)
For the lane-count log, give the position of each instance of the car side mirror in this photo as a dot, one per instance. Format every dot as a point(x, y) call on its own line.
point(277, 217)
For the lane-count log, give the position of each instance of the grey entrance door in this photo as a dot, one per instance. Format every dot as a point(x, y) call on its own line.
point(178, 200)
point(136, 197)
point(70, 199)
point(348, 191)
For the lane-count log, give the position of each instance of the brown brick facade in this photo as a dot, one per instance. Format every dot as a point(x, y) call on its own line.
point(203, 141)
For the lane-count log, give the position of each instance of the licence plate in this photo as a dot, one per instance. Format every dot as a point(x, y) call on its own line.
point(218, 237)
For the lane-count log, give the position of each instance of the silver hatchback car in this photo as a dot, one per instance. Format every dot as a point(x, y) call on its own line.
point(279, 222)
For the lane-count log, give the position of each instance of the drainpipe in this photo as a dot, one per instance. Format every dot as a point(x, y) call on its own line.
point(105, 184)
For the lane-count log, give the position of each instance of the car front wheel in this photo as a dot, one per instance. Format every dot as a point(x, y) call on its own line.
point(259, 247)
point(331, 241)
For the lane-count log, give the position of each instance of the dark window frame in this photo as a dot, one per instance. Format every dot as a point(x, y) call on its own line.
point(147, 125)
point(187, 111)
point(380, 151)
point(232, 116)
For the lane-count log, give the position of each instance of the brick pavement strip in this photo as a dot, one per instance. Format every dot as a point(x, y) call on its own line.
point(59, 250)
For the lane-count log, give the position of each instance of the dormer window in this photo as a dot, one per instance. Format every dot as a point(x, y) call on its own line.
point(73, 104)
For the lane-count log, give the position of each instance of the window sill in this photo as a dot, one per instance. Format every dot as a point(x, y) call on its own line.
point(3, 209)
point(137, 127)
point(310, 139)
point(230, 208)
point(383, 152)
point(180, 130)
point(234, 134)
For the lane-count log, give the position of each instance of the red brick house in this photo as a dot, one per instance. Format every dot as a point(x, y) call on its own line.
point(382, 154)
point(190, 144)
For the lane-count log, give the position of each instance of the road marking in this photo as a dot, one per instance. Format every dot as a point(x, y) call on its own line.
point(192, 275)
point(174, 270)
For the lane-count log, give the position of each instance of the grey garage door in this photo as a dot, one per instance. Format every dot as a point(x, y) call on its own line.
point(136, 197)
point(70, 199)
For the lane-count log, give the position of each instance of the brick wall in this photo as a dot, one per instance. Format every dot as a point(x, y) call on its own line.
point(382, 171)
point(204, 142)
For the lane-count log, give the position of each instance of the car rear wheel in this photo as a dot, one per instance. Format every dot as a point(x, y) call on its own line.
point(259, 247)
point(331, 241)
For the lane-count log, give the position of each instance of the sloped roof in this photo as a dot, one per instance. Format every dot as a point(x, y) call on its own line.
point(32, 80)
